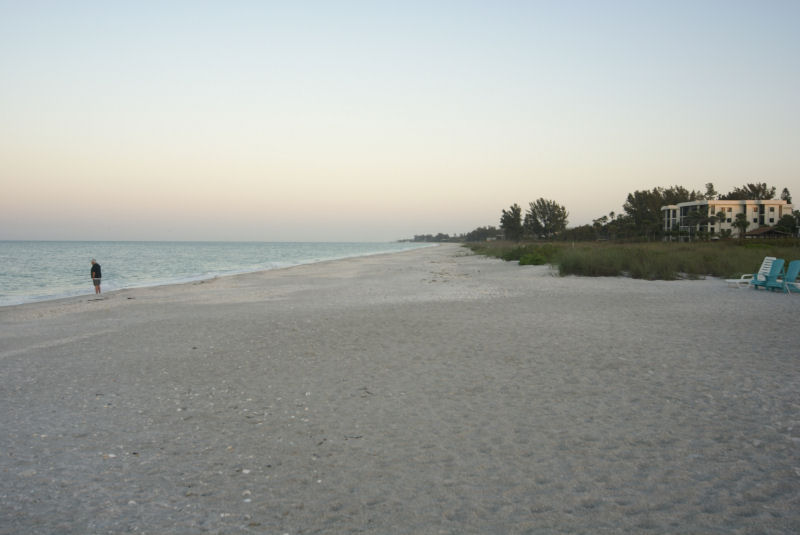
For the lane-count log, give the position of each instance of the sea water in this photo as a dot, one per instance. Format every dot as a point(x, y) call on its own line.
point(41, 270)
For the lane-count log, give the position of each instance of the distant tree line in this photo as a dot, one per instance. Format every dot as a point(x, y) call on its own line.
point(641, 218)
point(479, 234)
point(438, 238)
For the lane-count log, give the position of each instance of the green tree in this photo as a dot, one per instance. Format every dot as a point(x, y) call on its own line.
point(581, 233)
point(719, 217)
point(676, 194)
point(697, 218)
point(751, 192)
point(511, 222)
point(482, 234)
point(796, 215)
point(643, 208)
point(613, 225)
point(545, 218)
point(741, 223)
point(787, 223)
point(600, 225)
point(786, 196)
point(711, 193)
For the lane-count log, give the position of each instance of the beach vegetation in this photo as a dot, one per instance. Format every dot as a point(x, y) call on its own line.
point(644, 260)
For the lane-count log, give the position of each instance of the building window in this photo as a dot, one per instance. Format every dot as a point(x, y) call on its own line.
point(729, 211)
point(729, 219)
point(755, 209)
point(771, 219)
point(771, 208)
point(755, 220)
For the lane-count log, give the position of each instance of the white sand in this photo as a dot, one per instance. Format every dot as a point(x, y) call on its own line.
point(428, 391)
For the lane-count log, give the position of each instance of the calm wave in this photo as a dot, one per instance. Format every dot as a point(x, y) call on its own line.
point(38, 270)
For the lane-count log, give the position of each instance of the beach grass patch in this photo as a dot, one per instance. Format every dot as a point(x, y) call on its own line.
point(651, 260)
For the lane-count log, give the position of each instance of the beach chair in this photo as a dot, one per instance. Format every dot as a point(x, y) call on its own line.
point(772, 278)
point(763, 271)
point(788, 283)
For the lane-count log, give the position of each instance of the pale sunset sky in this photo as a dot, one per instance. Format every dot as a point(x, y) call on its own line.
point(376, 121)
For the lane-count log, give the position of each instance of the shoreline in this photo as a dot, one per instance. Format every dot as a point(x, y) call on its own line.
point(200, 279)
point(203, 273)
point(425, 391)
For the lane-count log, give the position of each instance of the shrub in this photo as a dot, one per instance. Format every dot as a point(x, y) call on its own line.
point(532, 259)
point(514, 254)
point(591, 263)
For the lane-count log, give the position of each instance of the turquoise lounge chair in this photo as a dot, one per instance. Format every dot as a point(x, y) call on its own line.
point(772, 278)
point(789, 281)
point(745, 280)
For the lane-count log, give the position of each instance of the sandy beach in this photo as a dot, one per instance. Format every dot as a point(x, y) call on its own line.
point(424, 392)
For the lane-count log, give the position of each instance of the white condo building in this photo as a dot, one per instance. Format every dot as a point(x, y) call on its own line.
point(759, 213)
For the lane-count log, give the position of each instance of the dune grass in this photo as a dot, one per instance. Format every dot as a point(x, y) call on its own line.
point(652, 261)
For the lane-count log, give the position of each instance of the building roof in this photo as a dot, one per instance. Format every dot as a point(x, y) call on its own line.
point(742, 202)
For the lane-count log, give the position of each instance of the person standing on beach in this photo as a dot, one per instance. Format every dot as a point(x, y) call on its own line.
point(96, 275)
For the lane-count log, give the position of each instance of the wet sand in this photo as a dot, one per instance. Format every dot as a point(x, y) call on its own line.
point(429, 391)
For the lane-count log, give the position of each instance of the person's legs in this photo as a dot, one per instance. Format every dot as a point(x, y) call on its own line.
point(97, 286)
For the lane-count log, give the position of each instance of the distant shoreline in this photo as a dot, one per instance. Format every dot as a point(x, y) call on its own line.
point(214, 259)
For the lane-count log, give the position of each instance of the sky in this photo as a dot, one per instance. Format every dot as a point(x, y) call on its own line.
point(376, 121)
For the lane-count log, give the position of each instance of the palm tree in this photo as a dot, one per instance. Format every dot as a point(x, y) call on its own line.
point(721, 217)
point(741, 223)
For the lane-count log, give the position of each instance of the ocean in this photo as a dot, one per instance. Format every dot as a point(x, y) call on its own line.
point(33, 271)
